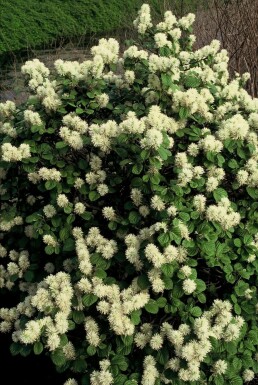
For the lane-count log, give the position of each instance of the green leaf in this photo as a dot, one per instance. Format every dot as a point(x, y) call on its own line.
point(145, 154)
point(236, 380)
point(89, 299)
point(219, 380)
point(69, 245)
point(60, 145)
point(192, 81)
point(79, 111)
point(137, 168)
point(168, 283)
point(100, 273)
point(91, 350)
point(237, 242)
point(15, 348)
point(167, 269)
point(231, 347)
point(25, 350)
point(78, 316)
point(136, 317)
point(161, 301)
point(127, 340)
point(134, 217)
point(164, 239)
point(200, 286)
point(237, 364)
point(118, 360)
point(253, 192)
point(240, 288)
point(201, 298)
point(183, 113)
point(155, 179)
point(196, 311)
point(79, 365)
point(120, 379)
point(93, 196)
point(38, 347)
point(163, 153)
point(166, 80)
point(162, 356)
point(64, 233)
point(219, 193)
point(58, 357)
point(152, 307)
point(233, 164)
point(29, 276)
point(143, 282)
point(33, 218)
point(49, 250)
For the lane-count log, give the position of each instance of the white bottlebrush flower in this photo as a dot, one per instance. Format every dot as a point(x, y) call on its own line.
point(109, 213)
point(189, 286)
point(92, 331)
point(15, 154)
point(193, 149)
point(234, 128)
point(144, 210)
point(79, 208)
point(129, 77)
point(33, 118)
point(220, 367)
point(143, 22)
point(74, 122)
point(79, 182)
point(154, 255)
point(49, 211)
point(199, 202)
point(62, 200)
point(210, 143)
point(102, 100)
point(157, 203)
point(150, 372)
point(31, 333)
point(71, 381)
point(172, 211)
point(49, 240)
point(186, 21)
point(173, 364)
point(212, 183)
point(49, 268)
point(186, 270)
point(7, 109)
point(136, 196)
point(161, 40)
point(152, 139)
point(102, 189)
point(248, 375)
point(242, 177)
point(183, 230)
point(156, 342)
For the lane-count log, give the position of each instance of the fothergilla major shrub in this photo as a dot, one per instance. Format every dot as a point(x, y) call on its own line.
point(128, 230)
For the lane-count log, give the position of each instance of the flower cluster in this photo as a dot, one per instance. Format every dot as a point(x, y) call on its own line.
point(223, 213)
point(15, 154)
point(128, 204)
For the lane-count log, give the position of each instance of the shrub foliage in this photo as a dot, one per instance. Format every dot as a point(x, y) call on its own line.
point(128, 222)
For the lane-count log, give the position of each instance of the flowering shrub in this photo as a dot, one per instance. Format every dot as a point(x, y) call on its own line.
point(128, 214)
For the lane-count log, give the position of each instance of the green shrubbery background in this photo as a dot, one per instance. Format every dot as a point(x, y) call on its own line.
point(35, 23)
